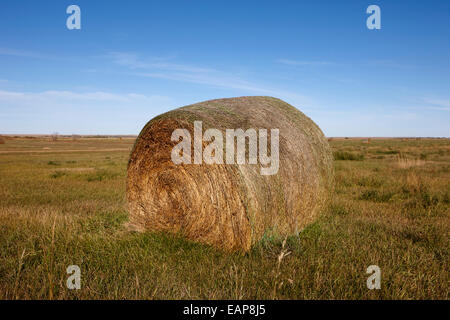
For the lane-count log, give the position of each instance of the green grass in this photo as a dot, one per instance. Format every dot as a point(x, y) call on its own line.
point(75, 213)
point(343, 155)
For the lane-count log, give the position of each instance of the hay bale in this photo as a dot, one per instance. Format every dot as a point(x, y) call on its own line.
point(231, 206)
point(2, 140)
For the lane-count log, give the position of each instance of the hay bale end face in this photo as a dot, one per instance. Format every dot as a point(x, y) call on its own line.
point(230, 206)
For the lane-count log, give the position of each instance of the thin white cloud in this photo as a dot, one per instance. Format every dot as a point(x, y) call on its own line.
point(133, 61)
point(304, 63)
point(53, 97)
point(441, 108)
point(161, 68)
point(37, 55)
point(215, 80)
point(373, 63)
point(230, 82)
point(20, 53)
point(80, 112)
point(438, 104)
point(389, 64)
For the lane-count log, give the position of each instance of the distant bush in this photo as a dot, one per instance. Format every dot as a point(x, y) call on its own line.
point(387, 151)
point(446, 198)
point(370, 181)
point(100, 175)
point(54, 136)
point(53, 163)
point(58, 174)
point(376, 196)
point(423, 156)
point(338, 209)
point(343, 155)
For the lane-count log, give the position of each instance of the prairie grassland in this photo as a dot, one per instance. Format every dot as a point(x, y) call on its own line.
point(63, 203)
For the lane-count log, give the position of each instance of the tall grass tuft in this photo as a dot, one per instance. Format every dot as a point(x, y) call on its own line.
point(403, 162)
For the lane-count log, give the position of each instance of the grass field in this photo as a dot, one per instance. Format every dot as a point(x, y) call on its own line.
point(63, 203)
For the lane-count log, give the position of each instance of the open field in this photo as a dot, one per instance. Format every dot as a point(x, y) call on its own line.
point(63, 203)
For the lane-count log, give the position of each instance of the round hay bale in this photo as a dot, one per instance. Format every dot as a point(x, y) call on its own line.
point(230, 206)
point(2, 140)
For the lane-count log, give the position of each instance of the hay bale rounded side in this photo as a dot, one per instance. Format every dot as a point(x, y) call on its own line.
point(231, 206)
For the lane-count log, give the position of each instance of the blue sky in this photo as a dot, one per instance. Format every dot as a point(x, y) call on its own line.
point(133, 60)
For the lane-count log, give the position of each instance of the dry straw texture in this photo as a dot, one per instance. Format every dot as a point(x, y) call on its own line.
point(229, 206)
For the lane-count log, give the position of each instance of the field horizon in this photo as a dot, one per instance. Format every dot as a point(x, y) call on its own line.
point(47, 135)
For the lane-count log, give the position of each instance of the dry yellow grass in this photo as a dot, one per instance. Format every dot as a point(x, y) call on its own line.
point(398, 219)
point(404, 162)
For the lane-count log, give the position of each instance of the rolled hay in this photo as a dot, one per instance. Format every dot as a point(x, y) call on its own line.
point(230, 206)
point(2, 140)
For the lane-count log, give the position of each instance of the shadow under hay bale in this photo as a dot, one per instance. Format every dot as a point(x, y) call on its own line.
point(230, 206)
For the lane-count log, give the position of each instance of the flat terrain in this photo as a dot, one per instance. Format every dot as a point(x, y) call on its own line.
point(63, 203)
